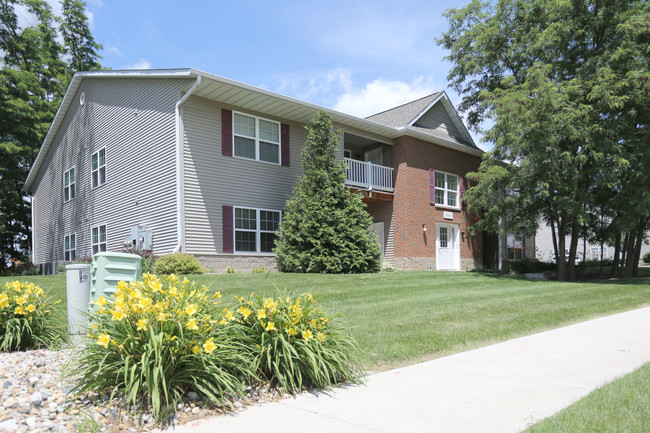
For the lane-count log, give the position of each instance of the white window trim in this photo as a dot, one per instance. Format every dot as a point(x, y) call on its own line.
point(98, 168)
point(74, 248)
point(258, 230)
point(257, 139)
point(69, 186)
point(446, 190)
point(99, 243)
point(522, 252)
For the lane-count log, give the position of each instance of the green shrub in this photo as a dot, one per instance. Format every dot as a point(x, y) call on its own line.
point(156, 340)
point(297, 345)
point(178, 263)
point(28, 320)
point(259, 270)
point(387, 267)
point(646, 257)
point(148, 258)
point(230, 270)
point(530, 266)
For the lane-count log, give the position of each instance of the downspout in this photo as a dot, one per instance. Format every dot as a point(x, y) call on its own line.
point(33, 254)
point(179, 161)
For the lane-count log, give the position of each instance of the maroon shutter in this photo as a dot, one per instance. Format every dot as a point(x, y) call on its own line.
point(284, 144)
point(461, 189)
point(226, 132)
point(432, 186)
point(228, 230)
point(523, 246)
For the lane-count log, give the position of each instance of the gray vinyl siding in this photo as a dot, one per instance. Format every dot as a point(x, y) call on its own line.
point(133, 119)
point(437, 118)
point(384, 212)
point(212, 180)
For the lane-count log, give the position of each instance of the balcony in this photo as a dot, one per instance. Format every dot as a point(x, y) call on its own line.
point(369, 176)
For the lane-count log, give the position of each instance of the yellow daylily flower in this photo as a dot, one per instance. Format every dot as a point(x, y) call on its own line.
point(209, 346)
point(191, 309)
point(261, 314)
point(103, 340)
point(191, 325)
point(20, 310)
point(320, 337)
point(244, 312)
point(307, 335)
point(118, 315)
point(4, 303)
point(196, 350)
point(142, 324)
point(271, 326)
point(292, 331)
point(31, 308)
point(20, 300)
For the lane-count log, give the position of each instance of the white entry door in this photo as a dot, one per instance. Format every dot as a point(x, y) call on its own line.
point(447, 247)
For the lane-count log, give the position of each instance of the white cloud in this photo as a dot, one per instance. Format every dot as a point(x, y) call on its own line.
point(114, 50)
point(316, 84)
point(380, 95)
point(140, 64)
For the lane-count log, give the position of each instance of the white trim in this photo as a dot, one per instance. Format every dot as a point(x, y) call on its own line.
point(92, 245)
point(258, 231)
point(98, 168)
point(180, 199)
point(446, 190)
point(33, 232)
point(70, 184)
point(73, 249)
point(257, 138)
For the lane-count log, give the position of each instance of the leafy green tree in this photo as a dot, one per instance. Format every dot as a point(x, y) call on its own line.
point(79, 42)
point(537, 69)
point(34, 76)
point(326, 228)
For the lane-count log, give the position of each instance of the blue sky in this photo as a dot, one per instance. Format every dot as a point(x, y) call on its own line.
point(356, 56)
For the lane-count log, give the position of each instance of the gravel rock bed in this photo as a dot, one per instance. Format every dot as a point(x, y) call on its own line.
point(34, 397)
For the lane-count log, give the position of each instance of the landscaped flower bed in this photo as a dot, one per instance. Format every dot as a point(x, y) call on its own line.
point(27, 318)
point(156, 340)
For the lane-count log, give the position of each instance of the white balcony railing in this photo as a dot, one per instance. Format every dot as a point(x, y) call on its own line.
point(369, 176)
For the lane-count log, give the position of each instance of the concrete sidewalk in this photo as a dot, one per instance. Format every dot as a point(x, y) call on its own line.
point(505, 387)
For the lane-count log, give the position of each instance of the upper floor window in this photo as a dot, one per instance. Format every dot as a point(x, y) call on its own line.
point(69, 185)
point(98, 167)
point(255, 229)
point(70, 247)
point(98, 237)
point(256, 138)
point(446, 189)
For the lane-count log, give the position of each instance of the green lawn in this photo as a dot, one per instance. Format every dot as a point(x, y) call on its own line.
point(404, 317)
point(621, 406)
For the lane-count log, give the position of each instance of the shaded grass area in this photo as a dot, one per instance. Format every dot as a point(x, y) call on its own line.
point(621, 406)
point(404, 317)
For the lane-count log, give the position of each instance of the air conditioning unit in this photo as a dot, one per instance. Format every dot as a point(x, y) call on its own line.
point(141, 238)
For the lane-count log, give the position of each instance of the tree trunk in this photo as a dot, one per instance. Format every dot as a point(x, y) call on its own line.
point(560, 255)
point(621, 266)
point(630, 254)
point(617, 253)
point(573, 249)
point(554, 240)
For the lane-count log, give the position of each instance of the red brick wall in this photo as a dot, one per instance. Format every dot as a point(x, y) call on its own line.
point(412, 160)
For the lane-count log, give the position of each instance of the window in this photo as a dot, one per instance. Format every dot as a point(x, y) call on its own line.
point(98, 166)
point(446, 189)
point(595, 253)
point(70, 248)
point(515, 245)
point(99, 239)
point(69, 182)
point(255, 229)
point(256, 138)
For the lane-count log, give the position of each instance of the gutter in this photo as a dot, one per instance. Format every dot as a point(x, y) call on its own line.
point(179, 161)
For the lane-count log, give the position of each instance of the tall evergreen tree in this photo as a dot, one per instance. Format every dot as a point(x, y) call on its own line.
point(326, 228)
